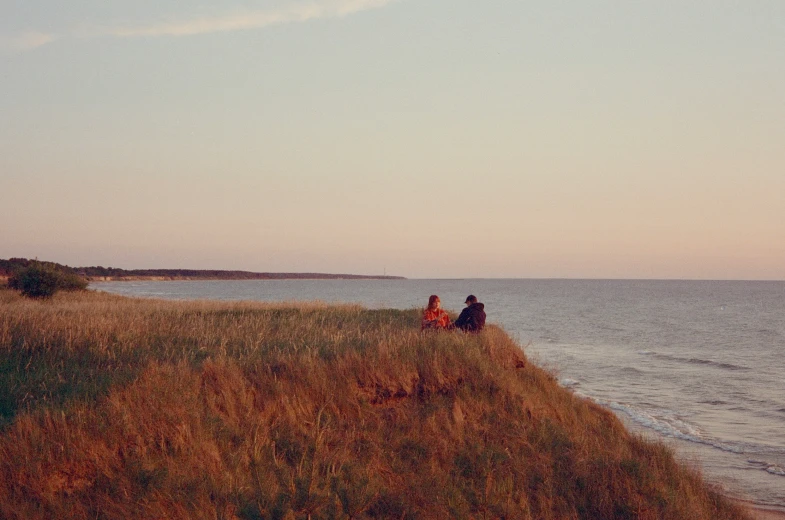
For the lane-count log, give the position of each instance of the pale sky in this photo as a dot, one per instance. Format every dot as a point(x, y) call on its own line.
point(421, 138)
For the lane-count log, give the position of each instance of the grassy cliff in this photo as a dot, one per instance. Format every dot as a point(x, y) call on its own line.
point(125, 408)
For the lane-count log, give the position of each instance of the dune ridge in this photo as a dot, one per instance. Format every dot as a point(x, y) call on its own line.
point(130, 408)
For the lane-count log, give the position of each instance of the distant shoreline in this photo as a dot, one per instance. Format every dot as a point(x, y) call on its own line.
point(115, 274)
point(260, 276)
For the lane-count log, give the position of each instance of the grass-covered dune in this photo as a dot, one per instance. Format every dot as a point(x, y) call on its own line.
point(123, 408)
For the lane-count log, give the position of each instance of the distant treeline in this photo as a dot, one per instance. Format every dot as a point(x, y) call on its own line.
point(10, 266)
point(212, 274)
point(7, 267)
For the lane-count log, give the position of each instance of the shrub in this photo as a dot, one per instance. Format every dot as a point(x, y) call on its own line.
point(70, 282)
point(41, 281)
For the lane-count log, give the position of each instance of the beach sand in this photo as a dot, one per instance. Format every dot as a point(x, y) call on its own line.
point(765, 514)
point(761, 514)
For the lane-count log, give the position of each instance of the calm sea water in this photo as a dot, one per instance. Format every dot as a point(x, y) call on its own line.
point(698, 364)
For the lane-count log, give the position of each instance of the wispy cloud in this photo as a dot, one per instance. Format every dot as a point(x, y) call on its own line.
point(27, 41)
point(252, 19)
point(245, 20)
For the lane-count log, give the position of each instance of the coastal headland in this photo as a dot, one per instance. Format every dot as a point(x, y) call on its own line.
point(178, 275)
point(115, 274)
point(118, 407)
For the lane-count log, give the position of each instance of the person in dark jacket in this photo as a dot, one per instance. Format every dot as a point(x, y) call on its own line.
point(472, 318)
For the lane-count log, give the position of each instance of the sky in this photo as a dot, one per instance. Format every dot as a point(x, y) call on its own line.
point(420, 138)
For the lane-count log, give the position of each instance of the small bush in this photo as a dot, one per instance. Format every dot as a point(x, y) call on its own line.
point(71, 282)
point(41, 281)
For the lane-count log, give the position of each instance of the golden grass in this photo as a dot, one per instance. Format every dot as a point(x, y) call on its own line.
point(126, 408)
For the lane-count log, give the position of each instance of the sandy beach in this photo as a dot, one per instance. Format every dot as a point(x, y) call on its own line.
point(759, 513)
point(763, 514)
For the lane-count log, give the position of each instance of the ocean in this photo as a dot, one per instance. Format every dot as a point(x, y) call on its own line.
point(699, 365)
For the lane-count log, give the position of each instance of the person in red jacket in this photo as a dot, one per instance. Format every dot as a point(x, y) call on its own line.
point(434, 317)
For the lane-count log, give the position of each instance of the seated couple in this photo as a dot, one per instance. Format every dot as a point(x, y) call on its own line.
point(472, 318)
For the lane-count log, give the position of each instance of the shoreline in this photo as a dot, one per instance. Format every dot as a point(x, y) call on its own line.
point(758, 512)
point(285, 276)
point(690, 454)
point(113, 274)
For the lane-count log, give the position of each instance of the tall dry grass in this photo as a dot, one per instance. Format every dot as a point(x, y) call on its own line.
point(124, 408)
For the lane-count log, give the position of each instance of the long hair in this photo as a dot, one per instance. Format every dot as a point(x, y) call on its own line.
point(432, 301)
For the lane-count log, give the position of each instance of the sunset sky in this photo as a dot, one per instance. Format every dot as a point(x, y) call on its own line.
point(421, 138)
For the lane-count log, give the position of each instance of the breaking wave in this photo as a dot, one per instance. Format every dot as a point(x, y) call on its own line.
point(694, 361)
point(672, 426)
